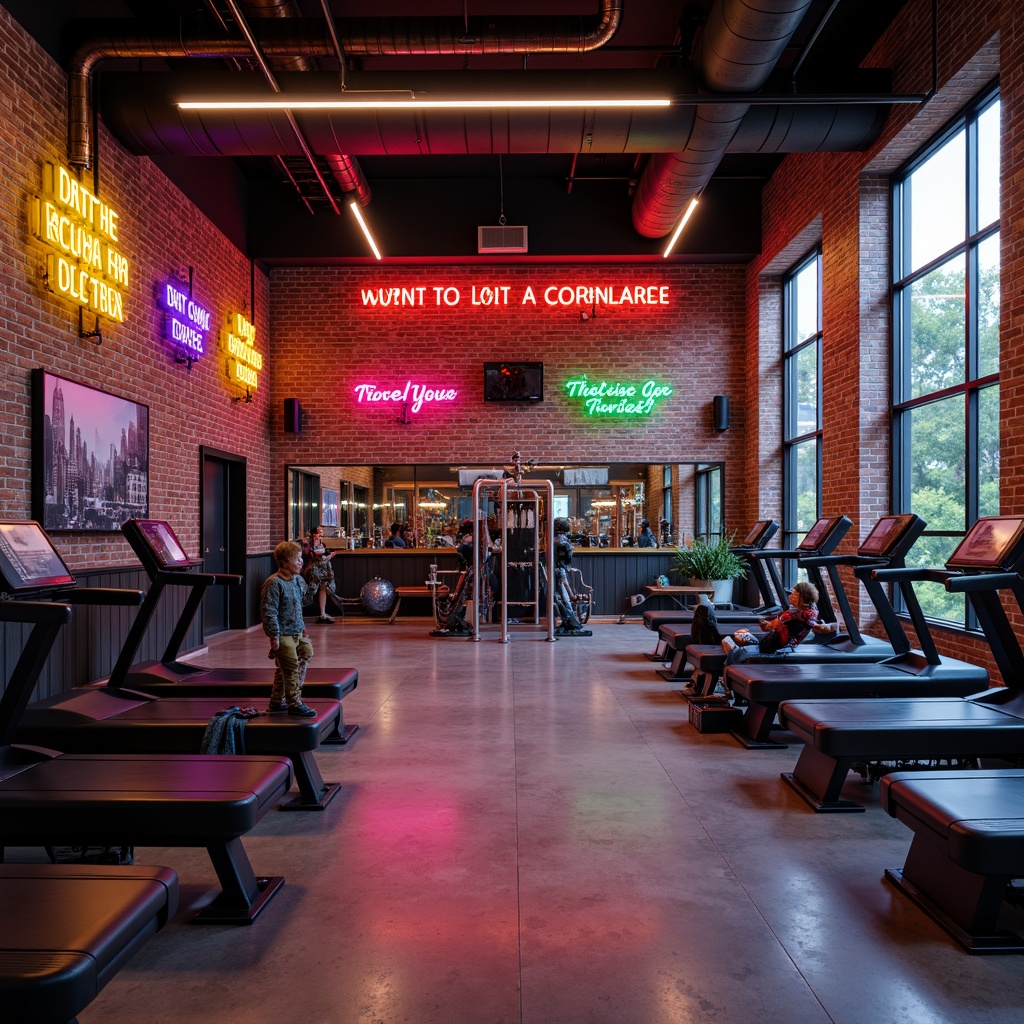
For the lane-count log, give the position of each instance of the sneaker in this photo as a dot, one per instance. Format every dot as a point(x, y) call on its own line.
point(277, 707)
point(325, 618)
point(728, 644)
point(301, 710)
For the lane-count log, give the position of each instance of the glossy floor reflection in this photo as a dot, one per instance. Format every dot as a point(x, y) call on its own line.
point(532, 832)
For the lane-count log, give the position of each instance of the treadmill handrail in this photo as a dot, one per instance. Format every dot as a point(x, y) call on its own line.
point(920, 574)
point(859, 560)
point(102, 595)
point(982, 591)
point(48, 619)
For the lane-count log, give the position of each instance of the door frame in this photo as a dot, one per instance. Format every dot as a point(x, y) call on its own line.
point(238, 534)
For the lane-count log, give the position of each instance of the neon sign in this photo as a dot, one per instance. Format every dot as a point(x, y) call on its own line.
point(640, 293)
point(81, 229)
point(186, 323)
point(244, 362)
point(616, 398)
point(414, 396)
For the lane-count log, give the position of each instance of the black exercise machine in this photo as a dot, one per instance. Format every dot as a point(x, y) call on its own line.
point(839, 734)
point(111, 719)
point(764, 682)
point(765, 574)
point(67, 929)
point(818, 544)
point(168, 566)
point(110, 801)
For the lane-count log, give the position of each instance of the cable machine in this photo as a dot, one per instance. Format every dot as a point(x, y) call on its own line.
point(524, 509)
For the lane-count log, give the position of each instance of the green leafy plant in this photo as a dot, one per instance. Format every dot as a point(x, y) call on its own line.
point(709, 560)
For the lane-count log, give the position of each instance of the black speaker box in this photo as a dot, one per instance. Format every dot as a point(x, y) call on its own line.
point(292, 416)
point(721, 412)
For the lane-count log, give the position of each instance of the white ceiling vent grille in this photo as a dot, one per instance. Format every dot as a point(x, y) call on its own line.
point(501, 238)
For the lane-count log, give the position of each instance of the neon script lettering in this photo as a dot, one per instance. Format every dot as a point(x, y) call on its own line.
point(415, 394)
point(617, 398)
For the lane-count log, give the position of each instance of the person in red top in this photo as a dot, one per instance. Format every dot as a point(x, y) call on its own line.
point(783, 632)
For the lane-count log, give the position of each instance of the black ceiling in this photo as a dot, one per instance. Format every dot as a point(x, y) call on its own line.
point(430, 184)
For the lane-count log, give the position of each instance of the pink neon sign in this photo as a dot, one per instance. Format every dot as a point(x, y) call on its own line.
point(414, 396)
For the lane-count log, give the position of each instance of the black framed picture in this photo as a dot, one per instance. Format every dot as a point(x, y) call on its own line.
point(90, 456)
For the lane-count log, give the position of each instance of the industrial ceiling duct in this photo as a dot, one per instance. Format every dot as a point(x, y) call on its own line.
point(284, 37)
point(736, 52)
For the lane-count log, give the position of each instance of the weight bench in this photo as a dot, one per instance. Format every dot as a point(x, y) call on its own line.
point(968, 845)
point(67, 929)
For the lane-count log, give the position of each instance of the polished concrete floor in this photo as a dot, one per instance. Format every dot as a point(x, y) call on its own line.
point(532, 832)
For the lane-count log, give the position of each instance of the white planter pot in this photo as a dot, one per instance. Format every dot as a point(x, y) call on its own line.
point(723, 590)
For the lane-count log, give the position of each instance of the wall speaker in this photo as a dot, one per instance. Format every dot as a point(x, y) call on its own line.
point(292, 416)
point(721, 412)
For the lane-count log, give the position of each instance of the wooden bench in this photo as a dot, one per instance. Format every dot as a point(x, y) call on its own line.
point(423, 591)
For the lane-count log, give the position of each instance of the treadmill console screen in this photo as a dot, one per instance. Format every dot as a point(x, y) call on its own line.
point(886, 533)
point(164, 545)
point(993, 542)
point(28, 561)
point(753, 538)
point(816, 534)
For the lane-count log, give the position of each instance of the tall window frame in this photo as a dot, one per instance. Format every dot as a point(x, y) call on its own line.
point(801, 402)
point(945, 316)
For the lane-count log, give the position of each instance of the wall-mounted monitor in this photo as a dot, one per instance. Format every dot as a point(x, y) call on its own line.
point(513, 382)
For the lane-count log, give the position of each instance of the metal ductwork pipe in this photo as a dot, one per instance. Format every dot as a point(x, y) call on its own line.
point(737, 50)
point(139, 109)
point(286, 37)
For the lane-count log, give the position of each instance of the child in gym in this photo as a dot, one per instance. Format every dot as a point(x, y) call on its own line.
point(783, 632)
point(281, 611)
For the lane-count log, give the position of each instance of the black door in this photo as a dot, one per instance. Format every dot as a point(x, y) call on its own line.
point(216, 542)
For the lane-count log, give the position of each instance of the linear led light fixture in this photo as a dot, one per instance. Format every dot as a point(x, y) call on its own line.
point(354, 207)
point(393, 103)
point(679, 228)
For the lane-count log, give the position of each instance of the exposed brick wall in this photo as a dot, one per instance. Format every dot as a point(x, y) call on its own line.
point(162, 236)
point(848, 195)
point(333, 343)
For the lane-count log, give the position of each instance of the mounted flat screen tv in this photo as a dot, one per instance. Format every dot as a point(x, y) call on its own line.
point(513, 382)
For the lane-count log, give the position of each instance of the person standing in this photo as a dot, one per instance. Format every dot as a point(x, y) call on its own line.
point(319, 572)
point(281, 613)
point(646, 539)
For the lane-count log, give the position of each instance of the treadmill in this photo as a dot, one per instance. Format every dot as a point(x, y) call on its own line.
point(988, 724)
point(820, 541)
point(49, 799)
point(67, 929)
point(886, 546)
point(878, 670)
point(114, 720)
point(169, 568)
point(764, 571)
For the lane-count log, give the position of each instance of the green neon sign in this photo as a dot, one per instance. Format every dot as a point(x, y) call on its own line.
point(616, 398)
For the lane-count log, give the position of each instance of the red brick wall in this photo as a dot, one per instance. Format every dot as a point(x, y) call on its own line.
point(329, 342)
point(842, 201)
point(162, 236)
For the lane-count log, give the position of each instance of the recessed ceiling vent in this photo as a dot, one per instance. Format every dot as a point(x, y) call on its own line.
point(501, 238)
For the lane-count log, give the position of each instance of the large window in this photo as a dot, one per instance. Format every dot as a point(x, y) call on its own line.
point(946, 341)
point(801, 413)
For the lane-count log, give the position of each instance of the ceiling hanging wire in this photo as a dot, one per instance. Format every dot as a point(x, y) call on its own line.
point(501, 193)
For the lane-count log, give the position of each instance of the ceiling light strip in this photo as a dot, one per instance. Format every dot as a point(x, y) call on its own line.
point(413, 104)
point(679, 229)
point(354, 207)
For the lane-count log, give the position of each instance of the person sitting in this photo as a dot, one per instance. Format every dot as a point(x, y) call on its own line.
point(318, 572)
point(569, 624)
point(646, 538)
point(396, 540)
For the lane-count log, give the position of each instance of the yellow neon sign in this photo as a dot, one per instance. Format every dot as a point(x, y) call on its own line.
point(81, 231)
point(244, 361)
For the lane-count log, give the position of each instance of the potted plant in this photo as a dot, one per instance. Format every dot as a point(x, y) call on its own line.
point(710, 562)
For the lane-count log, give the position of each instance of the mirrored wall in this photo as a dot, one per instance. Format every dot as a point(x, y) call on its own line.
point(605, 504)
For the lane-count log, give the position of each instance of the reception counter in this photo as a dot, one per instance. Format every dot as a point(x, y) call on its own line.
point(614, 573)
